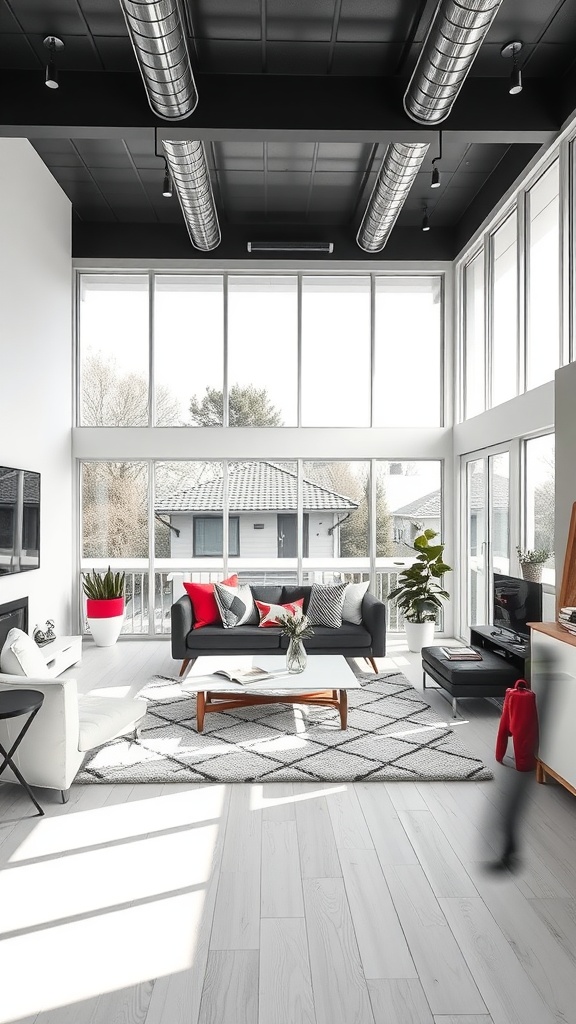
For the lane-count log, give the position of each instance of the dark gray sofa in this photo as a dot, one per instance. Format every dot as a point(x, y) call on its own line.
point(365, 641)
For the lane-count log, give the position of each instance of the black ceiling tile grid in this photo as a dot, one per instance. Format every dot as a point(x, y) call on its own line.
point(139, 179)
point(378, 59)
point(95, 183)
point(103, 17)
point(78, 53)
point(522, 19)
point(227, 19)
point(333, 36)
point(8, 21)
point(365, 21)
point(562, 26)
point(116, 53)
point(301, 20)
point(89, 34)
point(215, 176)
point(296, 156)
point(289, 58)
point(367, 177)
point(311, 181)
point(17, 54)
point(58, 17)
point(229, 56)
point(10, 13)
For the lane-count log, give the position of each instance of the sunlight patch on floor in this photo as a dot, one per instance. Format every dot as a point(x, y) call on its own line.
point(80, 829)
point(259, 798)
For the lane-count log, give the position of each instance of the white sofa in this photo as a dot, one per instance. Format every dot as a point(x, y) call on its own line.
point(67, 725)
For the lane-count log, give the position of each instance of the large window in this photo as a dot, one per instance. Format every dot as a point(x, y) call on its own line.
point(474, 337)
point(208, 533)
point(188, 350)
point(539, 498)
point(113, 350)
point(263, 351)
point(336, 352)
point(543, 279)
point(408, 356)
point(259, 350)
point(504, 250)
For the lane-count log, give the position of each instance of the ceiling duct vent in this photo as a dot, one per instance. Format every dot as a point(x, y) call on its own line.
point(455, 35)
point(401, 163)
point(156, 30)
point(191, 178)
point(290, 246)
point(453, 40)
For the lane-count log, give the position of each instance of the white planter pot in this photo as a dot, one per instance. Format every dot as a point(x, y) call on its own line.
point(419, 635)
point(105, 619)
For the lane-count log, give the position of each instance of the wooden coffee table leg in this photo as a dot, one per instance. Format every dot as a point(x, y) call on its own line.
point(200, 708)
point(343, 709)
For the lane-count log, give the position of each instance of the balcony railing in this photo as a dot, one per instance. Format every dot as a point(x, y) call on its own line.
point(168, 587)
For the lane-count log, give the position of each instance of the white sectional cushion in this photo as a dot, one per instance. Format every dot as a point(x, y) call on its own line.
point(104, 718)
point(352, 610)
point(21, 657)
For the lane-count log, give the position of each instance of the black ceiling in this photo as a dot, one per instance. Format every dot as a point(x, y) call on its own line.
point(298, 100)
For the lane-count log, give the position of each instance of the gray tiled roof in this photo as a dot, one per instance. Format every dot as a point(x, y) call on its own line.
point(253, 487)
point(428, 507)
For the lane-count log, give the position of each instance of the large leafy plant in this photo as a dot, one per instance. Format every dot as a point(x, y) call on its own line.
point(100, 587)
point(418, 593)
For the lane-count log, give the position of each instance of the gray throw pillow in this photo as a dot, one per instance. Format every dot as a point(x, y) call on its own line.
point(236, 605)
point(326, 603)
point(352, 610)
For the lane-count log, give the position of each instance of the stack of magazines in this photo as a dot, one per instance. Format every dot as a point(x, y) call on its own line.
point(567, 619)
point(461, 653)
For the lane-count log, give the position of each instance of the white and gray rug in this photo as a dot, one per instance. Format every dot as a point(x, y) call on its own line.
point(393, 734)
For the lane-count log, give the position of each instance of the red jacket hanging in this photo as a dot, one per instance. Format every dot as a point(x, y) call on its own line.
point(520, 721)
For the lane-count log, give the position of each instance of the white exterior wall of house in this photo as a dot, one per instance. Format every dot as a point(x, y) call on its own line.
point(36, 368)
point(260, 543)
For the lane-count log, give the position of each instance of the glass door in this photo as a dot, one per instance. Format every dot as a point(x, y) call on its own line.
point(486, 536)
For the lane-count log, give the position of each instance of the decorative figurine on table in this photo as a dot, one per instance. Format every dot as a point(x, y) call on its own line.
point(44, 636)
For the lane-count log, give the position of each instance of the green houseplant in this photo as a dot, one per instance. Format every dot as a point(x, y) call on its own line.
point(104, 605)
point(532, 561)
point(419, 594)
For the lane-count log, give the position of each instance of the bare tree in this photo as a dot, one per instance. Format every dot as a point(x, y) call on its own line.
point(112, 397)
point(248, 406)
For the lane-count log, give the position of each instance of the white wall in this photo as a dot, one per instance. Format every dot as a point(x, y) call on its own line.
point(565, 392)
point(36, 367)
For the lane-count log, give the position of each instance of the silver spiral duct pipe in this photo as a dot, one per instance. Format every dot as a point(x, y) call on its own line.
point(157, 33)
point(455, 35)
point(191, 178)
point(401, 163)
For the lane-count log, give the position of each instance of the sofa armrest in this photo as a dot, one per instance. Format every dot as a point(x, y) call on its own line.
point(182, 617)
point(374, 619)
point(49, 755)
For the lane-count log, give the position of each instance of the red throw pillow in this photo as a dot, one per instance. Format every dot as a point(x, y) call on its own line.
point(204, 603)
point(269, 612)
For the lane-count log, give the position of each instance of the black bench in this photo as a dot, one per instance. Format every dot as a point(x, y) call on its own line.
point(487, 678)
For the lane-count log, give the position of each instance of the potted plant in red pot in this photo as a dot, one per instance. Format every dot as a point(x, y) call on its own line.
point(105, 605)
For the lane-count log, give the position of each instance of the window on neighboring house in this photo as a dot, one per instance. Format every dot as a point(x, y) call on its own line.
point(208, 536)
point(7, 528)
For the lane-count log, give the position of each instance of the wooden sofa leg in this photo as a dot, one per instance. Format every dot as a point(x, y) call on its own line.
point(65, 795)
point(185, 664)
point(373, 664)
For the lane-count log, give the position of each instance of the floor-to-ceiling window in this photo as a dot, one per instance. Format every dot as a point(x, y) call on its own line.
point(294, 356)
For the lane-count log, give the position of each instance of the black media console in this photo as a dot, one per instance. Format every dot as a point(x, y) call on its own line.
point(517, 655)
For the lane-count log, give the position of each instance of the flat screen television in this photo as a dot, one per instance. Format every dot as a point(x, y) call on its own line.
point(516, 603)
point(19, 520)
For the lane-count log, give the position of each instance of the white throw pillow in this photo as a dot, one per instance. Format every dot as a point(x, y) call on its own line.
point(21, 657)
point(352, 610)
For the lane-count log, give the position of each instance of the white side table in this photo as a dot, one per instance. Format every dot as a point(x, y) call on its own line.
point(61, 654)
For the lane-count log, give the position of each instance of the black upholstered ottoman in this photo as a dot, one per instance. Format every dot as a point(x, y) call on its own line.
point(487, 678)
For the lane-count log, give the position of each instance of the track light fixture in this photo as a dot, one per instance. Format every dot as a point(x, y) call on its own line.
point(425, 221)
point(435, 181)
point(52, 44)
point(512, 50)
point(167, 186)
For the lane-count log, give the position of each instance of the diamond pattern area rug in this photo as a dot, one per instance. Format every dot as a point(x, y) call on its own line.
point(393, 734)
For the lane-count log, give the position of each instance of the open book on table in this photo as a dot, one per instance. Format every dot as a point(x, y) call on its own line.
point(242, 675)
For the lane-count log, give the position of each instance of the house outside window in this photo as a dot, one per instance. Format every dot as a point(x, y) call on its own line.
point(208, 534)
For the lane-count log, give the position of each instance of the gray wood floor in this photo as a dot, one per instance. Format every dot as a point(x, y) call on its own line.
point(285, 904)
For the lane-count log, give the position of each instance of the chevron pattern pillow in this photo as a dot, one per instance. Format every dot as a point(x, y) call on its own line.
point(326, 603)
point(236, 605)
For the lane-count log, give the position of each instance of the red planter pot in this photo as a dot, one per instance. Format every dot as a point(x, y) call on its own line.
point(105, 619)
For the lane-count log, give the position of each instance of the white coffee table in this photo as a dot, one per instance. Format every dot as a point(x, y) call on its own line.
point(325, 681)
